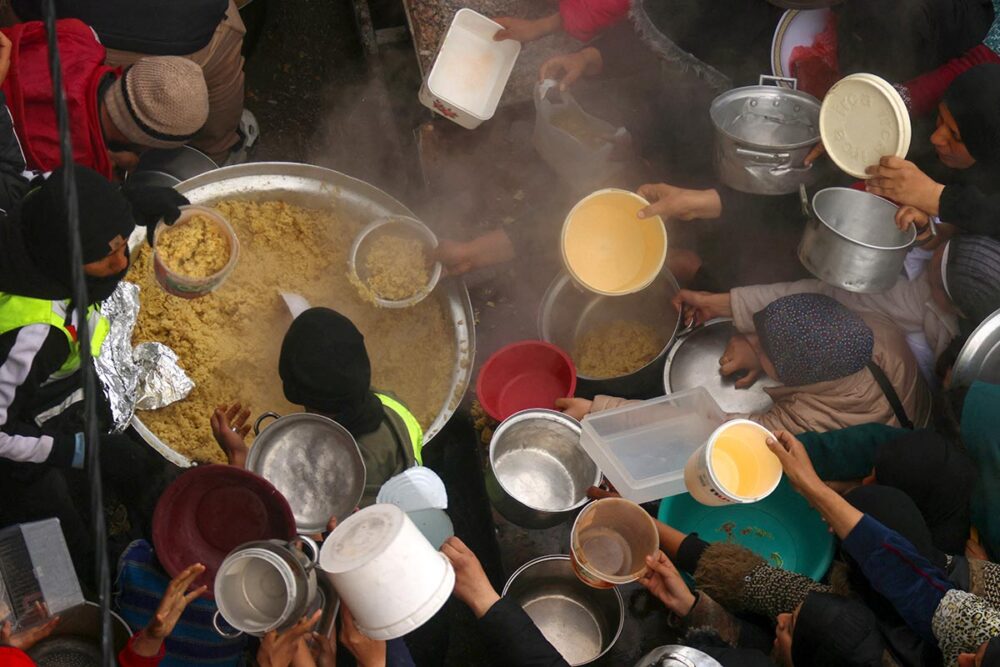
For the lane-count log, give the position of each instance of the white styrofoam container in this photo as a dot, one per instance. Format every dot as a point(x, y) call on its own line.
point(470, 71)
point(642, 448)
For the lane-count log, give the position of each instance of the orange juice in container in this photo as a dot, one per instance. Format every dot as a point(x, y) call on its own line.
point(734, 466)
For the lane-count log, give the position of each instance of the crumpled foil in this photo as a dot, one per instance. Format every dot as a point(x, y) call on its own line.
point(146, 377)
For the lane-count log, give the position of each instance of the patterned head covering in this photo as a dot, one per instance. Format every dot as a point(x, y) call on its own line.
point(812, 338)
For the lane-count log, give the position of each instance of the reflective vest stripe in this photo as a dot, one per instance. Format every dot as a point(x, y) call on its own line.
point(21, 311)
point(412, 425)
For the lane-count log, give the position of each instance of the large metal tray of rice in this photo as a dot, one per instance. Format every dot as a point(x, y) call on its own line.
point(295, 223)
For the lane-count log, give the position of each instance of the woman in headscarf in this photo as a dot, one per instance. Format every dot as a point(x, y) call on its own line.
point(837, 368)
point(324, 367)
point(967, 141)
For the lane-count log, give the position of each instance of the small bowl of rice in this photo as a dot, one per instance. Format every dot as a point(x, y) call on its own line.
point(390, 262)
point(195, 255)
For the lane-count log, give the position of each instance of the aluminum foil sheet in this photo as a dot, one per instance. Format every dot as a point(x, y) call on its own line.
point(146, 377)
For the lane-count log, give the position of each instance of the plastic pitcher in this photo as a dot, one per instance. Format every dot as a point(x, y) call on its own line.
point(734, 466)
point(610, 541)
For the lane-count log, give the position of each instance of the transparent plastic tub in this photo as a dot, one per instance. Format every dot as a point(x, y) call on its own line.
point(188, 287)
point(642, 448)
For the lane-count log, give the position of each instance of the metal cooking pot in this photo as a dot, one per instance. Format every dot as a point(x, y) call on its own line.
point(539, 474)
point(851, 241)
point(568, 312)
point(677, 656)
point(581, 622)
point(76, 640)
point(168, 167)
point(265, 585)
point(762, 136)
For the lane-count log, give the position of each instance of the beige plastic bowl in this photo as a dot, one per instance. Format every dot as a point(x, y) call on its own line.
point(607, 249)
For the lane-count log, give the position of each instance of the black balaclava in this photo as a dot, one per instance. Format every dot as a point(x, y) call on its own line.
point(834, 631)
point(973, 98)
point(325, 367)
point(105, 215)
point(937, 477)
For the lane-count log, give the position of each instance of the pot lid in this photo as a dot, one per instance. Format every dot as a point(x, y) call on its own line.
point(361, 537)
point(862, 119)
point(796, 28)
point(415, 489)
point(979, 358)
point(315, 463)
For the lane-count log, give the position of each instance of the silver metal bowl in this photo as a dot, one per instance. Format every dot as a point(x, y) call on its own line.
point(403, 226)
point(316, 187)
point(539, 474)
point(694, 362)
point(76, 640)
point(314, 462)
point(169, 167)
point(568, 312)
point(979, 358)
point(581, 622)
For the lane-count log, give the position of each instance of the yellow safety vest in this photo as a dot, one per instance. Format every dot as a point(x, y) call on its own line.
point(412, 425)
point(21, 311)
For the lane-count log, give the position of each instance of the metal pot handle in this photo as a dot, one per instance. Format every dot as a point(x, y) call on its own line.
point(804, 201)
point(766, 79)
point(256, 424)
point(760, 157)
point(215, 624)
point(313, 548)
point(917, 243)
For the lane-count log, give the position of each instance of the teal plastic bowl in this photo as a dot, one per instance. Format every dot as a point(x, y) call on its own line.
point(782, 529)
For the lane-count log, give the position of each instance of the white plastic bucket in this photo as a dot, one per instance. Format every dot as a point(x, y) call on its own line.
point(386, 572)
point(734, 466)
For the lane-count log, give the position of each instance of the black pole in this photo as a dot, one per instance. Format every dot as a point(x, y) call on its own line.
point(87, 373)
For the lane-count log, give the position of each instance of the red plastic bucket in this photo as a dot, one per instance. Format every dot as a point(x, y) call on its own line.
point(523, 375)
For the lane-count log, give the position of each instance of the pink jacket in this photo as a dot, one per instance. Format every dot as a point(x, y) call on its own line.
point(585, 19)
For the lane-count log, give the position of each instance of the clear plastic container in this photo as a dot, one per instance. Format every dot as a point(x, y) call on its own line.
point(35, 567)
point(642, 448)
point(189, 287)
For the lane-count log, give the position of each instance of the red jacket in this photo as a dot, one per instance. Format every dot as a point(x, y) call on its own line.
point(29, 94)
point(584, 19)
point(13, 657)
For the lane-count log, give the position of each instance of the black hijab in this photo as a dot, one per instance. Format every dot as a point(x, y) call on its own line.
point(937, 477)
point(35, 258)
point(834, 631)
point(324, 366)
point(974, 100)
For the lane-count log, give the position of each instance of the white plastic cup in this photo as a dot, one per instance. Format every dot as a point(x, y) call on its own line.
point(734, 466)
point(386, 572)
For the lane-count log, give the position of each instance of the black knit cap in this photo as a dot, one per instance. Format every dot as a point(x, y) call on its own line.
point(973, 275)
point(834, 631)
point(973, 99)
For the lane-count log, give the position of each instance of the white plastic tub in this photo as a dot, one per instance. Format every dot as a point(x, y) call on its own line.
point(642, 448)
point(471, 70)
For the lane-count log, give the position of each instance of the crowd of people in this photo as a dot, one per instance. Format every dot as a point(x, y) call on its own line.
point(901, 463)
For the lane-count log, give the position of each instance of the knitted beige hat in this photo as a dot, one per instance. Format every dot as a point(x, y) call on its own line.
point(159, 102)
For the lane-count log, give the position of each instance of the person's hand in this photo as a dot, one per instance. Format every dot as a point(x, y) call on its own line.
point(974, 549)
point(367, 652)
point(26, 639)
point(172, 605)
point(738, 356)
point(910, 216)
point(5, 51)
point(599, 493)
point(151, 203)
point(700, 307)
point(818, 151)
point(568, 68)
point(324, 651)
point(471, 584)
point(526, 30)
point(230, 428)
point(279, 650)
point(665, 583)
point(669, 201)
point(902, 181)
point(795, 462)
point(577, 408)
point(460, 257)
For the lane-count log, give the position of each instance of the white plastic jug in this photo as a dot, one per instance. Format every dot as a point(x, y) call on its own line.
point(575, 144)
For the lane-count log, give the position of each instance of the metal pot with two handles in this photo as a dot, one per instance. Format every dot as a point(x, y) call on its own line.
point(265, 585)
point(851, 240)
point(762, 136)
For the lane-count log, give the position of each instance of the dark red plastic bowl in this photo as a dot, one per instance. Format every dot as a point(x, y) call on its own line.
point(210, 510)
point(523, 375)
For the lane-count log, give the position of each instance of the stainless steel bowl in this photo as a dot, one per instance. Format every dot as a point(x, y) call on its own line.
point(694, 362)
point(405, 226)
point(979, 358)
point(581, 622)
point(316, 187)
point(539, 474)
point(314, 462)
point(169, 167)
point(568, 312)
point(76, 641)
